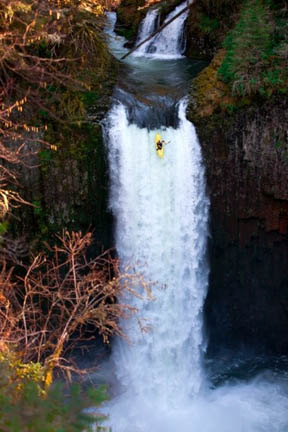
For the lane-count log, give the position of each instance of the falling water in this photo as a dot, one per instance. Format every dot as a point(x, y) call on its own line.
point(147, 26)
point(162, 213)
point(170, 42)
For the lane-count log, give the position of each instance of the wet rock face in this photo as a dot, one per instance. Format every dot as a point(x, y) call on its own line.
point(207, 26)
point(129, 16)
point(69, 187)
point(198, 43)
point(246, 158)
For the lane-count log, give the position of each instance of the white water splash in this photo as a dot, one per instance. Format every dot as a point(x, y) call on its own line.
point(161, 212)
point(168, 44)
point(257, 406)
point(116, 42)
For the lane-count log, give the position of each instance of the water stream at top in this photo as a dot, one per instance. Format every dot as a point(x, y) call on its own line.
point(161, 213)
point(170, 42)
point(147, 26)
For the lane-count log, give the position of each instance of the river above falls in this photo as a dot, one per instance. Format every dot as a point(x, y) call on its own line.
point(151, 87)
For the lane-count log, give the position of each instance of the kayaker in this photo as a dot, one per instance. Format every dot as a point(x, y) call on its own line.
point(159, 145)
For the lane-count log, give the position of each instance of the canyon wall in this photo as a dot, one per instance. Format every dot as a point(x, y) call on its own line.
point(246, 158)
point(245, 147)
point(68, 184)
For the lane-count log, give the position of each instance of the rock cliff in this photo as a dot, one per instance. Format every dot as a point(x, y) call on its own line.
point(68, 185)
point(246, 158)
point(243, 134)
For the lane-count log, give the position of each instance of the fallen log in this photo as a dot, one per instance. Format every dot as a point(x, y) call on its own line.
point(156, 31)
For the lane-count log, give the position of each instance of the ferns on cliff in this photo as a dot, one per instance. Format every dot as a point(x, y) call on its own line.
point(255, 60)
point(246, 46)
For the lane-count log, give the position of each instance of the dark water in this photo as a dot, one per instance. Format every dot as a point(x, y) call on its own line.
point(232, 367)
point(151, 90)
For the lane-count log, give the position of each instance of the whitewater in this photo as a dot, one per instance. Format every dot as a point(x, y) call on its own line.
point(161, 212)
point(170, 42)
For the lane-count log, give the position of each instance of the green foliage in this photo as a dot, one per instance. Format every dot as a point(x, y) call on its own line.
point(246, 46)
point(17, 372)
point(254, 63)
point(207, 24)
point(24, 407)
point(217, 4)
point(89, 98)
point(46, 155)
point(224, 11)
point(126, 33)
point(4, 227)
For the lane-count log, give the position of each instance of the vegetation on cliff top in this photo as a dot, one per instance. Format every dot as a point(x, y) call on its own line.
point(254, 62)
point(257, 51)
point(207, 24)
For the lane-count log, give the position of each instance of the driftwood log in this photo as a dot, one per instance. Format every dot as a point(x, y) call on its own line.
point(156, 31)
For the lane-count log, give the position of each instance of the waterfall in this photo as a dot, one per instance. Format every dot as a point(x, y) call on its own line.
point(147, 26)
point(161, 212)
point(169, 43)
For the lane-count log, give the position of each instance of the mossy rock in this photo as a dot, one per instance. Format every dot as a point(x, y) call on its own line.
point(70, 184)
point(129, 16)
point(208, 93)
point(208, 24)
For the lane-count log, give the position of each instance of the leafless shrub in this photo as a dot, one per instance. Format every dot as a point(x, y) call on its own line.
point(64, 295)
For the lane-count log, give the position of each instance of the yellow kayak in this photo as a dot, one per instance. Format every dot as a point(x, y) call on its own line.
point(161, 151)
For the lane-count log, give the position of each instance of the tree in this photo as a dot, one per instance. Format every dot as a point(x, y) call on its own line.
point(26, 407)
point(49, 51)
point(64, 295)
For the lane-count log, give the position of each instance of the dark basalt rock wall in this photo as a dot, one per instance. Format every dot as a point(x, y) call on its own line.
point(69, 186)
point(246, 157)
point(198, 43)
point(129, 17)
point(207, 26)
